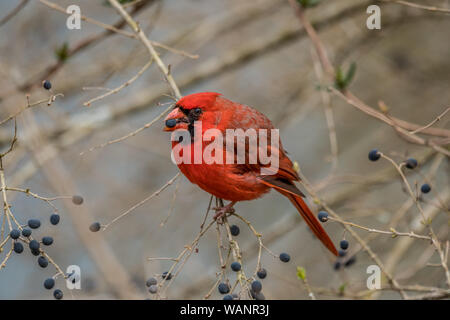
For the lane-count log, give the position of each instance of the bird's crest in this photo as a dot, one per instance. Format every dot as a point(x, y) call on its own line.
point(202, 99)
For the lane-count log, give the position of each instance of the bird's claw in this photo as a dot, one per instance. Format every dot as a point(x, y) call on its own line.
point(222, 211)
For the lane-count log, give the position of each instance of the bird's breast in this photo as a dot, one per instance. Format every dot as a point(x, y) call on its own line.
point(219, 178)
point(222, 181)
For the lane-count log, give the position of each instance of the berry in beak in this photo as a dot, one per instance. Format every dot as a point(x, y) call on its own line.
point(170, 123)
point(175, 120)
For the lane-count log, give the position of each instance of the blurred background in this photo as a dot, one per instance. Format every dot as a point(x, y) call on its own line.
point(255, 53)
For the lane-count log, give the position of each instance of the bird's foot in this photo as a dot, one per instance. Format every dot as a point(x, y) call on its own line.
point(222, 211)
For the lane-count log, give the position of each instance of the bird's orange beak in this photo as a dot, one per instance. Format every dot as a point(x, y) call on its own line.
point(175, 120)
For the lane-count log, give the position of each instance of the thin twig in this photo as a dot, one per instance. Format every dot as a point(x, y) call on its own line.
point(438, 118)
point(13, 12)
point(419, 6)
point(116, 90)
point(394, 233)
point(140, 34)
point(140, 203)
point(131, 134)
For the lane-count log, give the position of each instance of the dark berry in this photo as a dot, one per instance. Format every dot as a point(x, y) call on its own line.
point(223, 288)
point(153, 288)
point(350, 261)
point(166, 275)
point(262, 273)
point(34, 223)
point(35, 252)
point(47, 84)
point(342, 253)
point(94, 227)
point(411, 163)
point(235, 266)
point(47, 241)
point(170, 123)
point(260, 296)
point(228, 297)
point(337, 265)
point(285, 257)
point(344, 244)
point(425, 188)
point(256, 286)
point(151, 282)
point(54, 219)
point(49, 283)
point(43, 262)
point(257, 295)
point(58, 294)
point(26, 232)
point(34, 245)
point(234, 229)
point(374, 155)
point(77, 200)
point(18, 247)
point(14, 234)
point(323, 216)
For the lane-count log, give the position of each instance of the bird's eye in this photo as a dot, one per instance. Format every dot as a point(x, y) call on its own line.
point(197, 111)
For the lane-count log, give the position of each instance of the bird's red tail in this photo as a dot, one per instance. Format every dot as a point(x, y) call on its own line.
point(311, 221)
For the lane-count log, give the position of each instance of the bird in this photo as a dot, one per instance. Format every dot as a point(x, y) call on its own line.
point(234, 181)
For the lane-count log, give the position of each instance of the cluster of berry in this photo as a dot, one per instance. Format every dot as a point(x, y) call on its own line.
point(23, 235)
point(256, 285)
point(409, 163)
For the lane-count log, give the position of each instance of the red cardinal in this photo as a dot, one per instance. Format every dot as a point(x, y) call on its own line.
point(232, 181)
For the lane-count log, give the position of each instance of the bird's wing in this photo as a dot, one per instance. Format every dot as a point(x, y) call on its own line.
point(245, 117)
point(281, 185)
